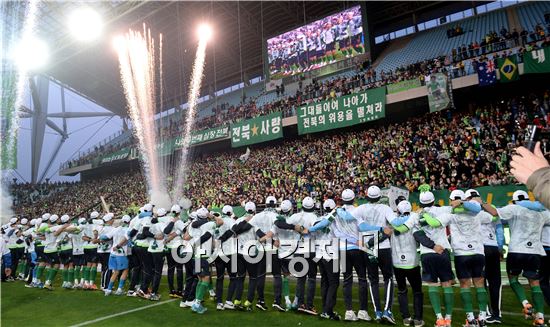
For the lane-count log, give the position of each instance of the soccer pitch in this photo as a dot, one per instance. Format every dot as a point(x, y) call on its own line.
point(22, 306)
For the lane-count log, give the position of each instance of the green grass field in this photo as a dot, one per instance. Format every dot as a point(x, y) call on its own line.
point(22, 306)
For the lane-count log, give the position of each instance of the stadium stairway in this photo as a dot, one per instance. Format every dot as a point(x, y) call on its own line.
point(513, 19)
point(395, 46)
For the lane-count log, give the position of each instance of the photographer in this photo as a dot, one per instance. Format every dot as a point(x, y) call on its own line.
point(532, 169)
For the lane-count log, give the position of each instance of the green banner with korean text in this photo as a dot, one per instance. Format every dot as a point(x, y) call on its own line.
point(537, 61)
point(207, 135)
point(403, 86)
point(348, 110)
point(119, 155)
point(257, 130)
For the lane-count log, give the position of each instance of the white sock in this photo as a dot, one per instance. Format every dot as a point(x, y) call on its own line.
point(540, 315)
point(470, 316)
point(525, 302)
point(448, 317)
point(482, 315)
point(439, 316)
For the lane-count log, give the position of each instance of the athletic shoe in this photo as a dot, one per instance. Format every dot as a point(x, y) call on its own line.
point(350, 316)
point(493, 320)
point(471, 323)
point(172, 294)
point(141, 294)
point(10, 279)
point(378, 316)
point(212, 293)
point(387, 316)
point(178, 295)
point(238, 305)
point(198, 308)
point(278, 307)
point(40, 285)
point(77, 286)
point(363, 315)
point(324, 315)
point(448, 322)
point(539, 322)
point(247, 305)
point(63, 284)
point(107, 292)
point(69, 286)
point(131, 293)
point(294, 305)
point(408, 322)
point(302, 308)
point(48, 287)
point(261, 305)
point(119, 292)
point(186, 304)
point(335, 316)
point(31, 285)
point(528, 311)
point(441, 323)
point(418, 323)
point(288, 305)
point(219, 307)
point(93, 287)
point(228, 305)
point(154, 297)
point(311, 311)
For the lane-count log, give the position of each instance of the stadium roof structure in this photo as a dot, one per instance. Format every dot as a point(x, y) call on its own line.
point(240, 29)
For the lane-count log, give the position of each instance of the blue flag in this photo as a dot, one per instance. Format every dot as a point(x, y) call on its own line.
point(486, 73)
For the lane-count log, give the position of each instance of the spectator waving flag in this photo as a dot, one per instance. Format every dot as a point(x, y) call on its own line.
point(486, 73)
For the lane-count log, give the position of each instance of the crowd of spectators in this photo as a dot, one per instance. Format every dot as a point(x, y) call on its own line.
point(447, 150)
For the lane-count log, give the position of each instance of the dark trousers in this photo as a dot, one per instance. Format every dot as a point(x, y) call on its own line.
point(158, 262)
point(415, 280)
point(246, 267)
point(384, 262)
point(329, 284)
point(16, 255)
point(191, 281)
point(493, 278)
point(355, 260)
point(310, 277)
point(545, 276)
point(134, 265)
point(105, 271)
point(276, 271)
point(221, 268)
point(176, 267)
point(147, 269)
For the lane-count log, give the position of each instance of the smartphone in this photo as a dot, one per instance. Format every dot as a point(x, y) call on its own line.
point(531, 137)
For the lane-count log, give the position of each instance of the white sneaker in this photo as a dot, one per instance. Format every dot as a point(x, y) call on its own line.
point(186, 304)
point(131, 293)
point(212, 293)
point(219, 306)
point(64, 285)
point(229, 305)
point(350, 316)
point(119, 291)
point(107, 292)
point(363, 315)
point(69, 285)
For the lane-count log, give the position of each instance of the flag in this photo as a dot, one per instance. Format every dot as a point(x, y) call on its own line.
point(537, 61)
point(508, 69)
point(486, 73)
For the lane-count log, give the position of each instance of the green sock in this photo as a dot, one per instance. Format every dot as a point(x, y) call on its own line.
point(482, 299)
point(86, 273)
point(64, 274)
point(21, 268)
point(93, 274)
point(435, 298)
point(40, 272)
point(47, 272)
point(202, 288)
point(210, 285)
point(538, 299)
point(518, 289)
point(449, 300)
point(286, 291)
point(466, 296)
point(51, 274)
point(70, 275)
point(77, 273)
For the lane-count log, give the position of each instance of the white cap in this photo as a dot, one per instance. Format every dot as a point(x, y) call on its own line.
point(348, 195)
point(373, 192)
point(13, 220)
point(193, 215)
point(46, 216)
point(161, 212)
point(24, 221)
point(65, 218)
point(270, 199)
point(98, 222)
point(108, 216)
point(126, 219)
point(175, 208)
point(94, 215)
point(329, 203)
point(457, 195)
point(404, 206)
point(286, 206)
point(33, 222)
point(426, 197)
point(471, 192)
point(53, 218)
point(250, 206)
point(148, 207)
point(520, 195)
point(202, 213)
point(227, 210)
point(38, 221)
point(81, 221)
point(308, 203)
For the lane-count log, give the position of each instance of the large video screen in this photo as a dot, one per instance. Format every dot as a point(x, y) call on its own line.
point(317, 44)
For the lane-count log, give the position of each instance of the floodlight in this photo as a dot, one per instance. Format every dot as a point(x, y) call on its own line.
point(31, 54)
point(85, 24)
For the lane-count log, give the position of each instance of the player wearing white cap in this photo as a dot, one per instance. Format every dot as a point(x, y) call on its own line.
point(263, 223)
point(526, 220)
point(406, 263)
point(65, 249)
point(305, 249)
point(118, 261)
point(225, 252)
point(435, 257)
point(465, 222)
point(492, 234)
point(24, 260)
point(156, 250)
point(174, 230)
point(104, 249)
point(326, 252)
point(6, 254)
point(79, 261)
point(206, 224)
point(28, 234)
point(90, 236)
point(191, 276)
point(15, 244)
point(134, 261)
point(142, 242)
point(378, 215)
